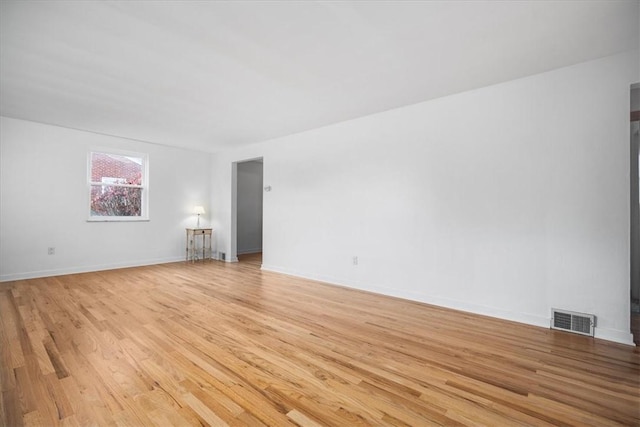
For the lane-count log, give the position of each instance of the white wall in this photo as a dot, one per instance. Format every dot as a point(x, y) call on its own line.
point(249, 207)
point(44, 203)
point(508, 200)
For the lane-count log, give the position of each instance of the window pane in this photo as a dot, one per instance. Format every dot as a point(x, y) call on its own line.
point(107, 200)
point(114, 168)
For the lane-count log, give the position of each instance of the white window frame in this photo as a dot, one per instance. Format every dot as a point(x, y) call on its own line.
point(144, 214)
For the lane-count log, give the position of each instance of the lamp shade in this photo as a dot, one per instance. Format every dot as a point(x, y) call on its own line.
point(198, 210)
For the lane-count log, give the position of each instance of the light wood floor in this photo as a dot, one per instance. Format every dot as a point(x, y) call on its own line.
point(215, 343)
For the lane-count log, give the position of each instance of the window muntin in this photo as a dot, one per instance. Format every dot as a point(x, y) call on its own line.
point(118, 186)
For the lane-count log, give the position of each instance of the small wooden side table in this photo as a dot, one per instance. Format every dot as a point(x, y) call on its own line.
point(192, 244)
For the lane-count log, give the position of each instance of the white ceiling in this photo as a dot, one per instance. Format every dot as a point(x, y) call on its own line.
point(213, 75)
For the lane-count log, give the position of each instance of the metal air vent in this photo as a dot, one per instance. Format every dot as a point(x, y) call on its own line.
point(578, 323)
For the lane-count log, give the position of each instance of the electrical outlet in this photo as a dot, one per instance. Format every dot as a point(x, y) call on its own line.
point(355, 260)
point(51, 251)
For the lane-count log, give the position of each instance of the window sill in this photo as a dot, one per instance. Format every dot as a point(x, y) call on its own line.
point(117, 219)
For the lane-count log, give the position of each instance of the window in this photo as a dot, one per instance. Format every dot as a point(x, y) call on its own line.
point(118, 186)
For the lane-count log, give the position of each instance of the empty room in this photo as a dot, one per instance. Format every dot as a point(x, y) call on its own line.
point(319, 213)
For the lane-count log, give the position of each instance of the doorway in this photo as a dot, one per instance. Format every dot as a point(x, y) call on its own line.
point(247, 210)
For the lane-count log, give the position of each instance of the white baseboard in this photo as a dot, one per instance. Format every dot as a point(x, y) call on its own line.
point(614, 335)
point(86, 269)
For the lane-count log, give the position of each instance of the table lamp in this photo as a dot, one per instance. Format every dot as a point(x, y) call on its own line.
point(198, 210)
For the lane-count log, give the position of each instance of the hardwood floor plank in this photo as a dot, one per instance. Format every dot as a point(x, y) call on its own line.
point(33, 419)
point(11, 409)
point(213, 343)
point(13, 332)
point(301, 419)
point(203, 411)
point(25, 389)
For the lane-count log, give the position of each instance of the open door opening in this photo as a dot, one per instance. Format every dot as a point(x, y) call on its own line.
point(248, 191)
